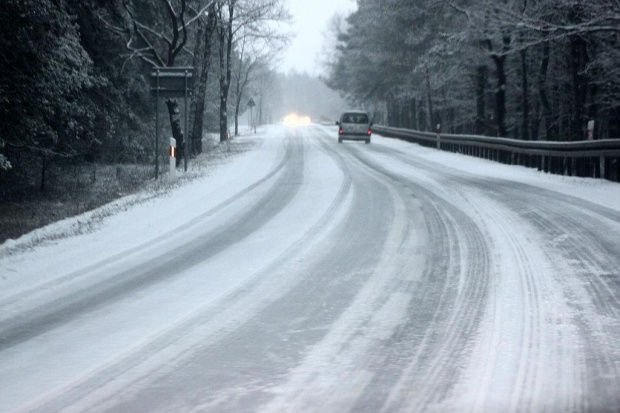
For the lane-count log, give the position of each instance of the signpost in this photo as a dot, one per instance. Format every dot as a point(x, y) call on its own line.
point(251, 105)
point(171, 82)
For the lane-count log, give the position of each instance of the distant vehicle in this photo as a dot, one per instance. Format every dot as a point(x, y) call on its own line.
point(293, 120)
point(354, 126)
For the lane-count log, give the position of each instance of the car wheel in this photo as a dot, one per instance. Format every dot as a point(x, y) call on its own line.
point(367, 141)
point(339, 140)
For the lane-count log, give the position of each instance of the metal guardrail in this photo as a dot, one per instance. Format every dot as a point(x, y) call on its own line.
point(593, 158)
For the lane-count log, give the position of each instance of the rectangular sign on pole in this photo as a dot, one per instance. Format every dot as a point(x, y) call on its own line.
point(172, 82)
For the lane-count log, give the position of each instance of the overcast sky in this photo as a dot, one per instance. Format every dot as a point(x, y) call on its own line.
point(310, 18)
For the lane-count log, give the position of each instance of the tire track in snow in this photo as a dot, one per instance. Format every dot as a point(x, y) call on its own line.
point(32, 322)
point(523, 356)
point(246, 366)
point(141, 368)
point(522, 379)
point(566, 233)
point(581, 253)
point(456, 306)
point(334, 373)
point(7, 302)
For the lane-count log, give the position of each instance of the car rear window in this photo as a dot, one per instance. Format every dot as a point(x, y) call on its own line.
point(355, 118)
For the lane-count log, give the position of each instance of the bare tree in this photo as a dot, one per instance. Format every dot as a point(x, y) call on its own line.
point(242, 74)
point(253, 54)
point(242, 16)
point(157, 36)
point(202, 64)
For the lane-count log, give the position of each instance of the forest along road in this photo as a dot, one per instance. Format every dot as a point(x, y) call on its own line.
point(317, 276)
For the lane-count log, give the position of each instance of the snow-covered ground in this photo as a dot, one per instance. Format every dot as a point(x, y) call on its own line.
point(305, 275)
point(600, 191)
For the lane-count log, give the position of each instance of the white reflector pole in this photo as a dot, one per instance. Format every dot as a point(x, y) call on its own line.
point(173, 160)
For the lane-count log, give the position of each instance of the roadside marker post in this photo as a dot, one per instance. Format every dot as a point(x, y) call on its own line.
point(173, 159)
point(172, 82)
point(438, 130)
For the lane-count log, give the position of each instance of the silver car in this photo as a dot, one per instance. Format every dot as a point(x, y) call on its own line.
point(354, 125)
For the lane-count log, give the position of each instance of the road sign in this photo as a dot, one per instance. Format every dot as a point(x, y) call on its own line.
point(251, 105)
point(172, 82)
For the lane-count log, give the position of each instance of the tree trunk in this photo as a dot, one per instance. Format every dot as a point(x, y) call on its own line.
point(223, 105)
point(223, 116)
point(525, 102)
point(536, 121)
point(237, 105)
point(390, 112)
point(550, 126)
point(429, 103)
point(43, 182)
point(481, 78)
point(500, 95)
point(175, 124)
point(201, 84)
point(579, 61)
point(194, 137)
point(226, 37)
point(414, 113)
point(399, 113)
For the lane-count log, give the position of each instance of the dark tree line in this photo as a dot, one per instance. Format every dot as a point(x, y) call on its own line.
point(527, 69)
point(74, 77)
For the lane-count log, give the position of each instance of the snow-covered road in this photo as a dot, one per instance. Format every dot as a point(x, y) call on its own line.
point(305, 275)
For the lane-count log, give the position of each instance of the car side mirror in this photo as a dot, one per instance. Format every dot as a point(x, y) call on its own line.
point(372, 123)
point(337, 123)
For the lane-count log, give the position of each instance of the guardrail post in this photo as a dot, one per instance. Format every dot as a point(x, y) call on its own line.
point(602, 168)
point(573, 166)
point(438, 130)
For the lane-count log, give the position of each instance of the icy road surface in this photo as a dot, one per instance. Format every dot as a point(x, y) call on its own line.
point(305, 275)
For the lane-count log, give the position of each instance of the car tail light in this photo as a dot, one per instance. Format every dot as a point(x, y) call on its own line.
point(340, 131)
point(369, 132)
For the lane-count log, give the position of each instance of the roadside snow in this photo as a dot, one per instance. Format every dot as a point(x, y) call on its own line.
point(599, 191)
point(144, 219)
